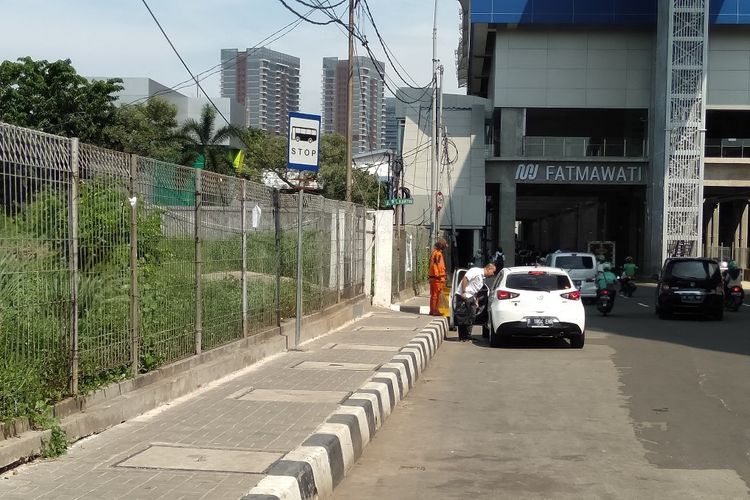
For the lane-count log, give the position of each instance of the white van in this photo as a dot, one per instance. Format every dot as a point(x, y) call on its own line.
point(580, 266)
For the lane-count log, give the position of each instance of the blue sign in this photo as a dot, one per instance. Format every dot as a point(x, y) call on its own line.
point(304, 142)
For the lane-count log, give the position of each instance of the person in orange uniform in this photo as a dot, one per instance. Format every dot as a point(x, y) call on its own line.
point(437, 276)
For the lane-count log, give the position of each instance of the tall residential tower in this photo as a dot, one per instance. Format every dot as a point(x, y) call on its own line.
point(369, 101)
point(265, 83)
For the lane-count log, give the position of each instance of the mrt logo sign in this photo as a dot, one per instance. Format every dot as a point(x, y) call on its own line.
point(304, 141)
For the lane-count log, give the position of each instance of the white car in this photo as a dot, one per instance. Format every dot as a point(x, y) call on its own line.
point(581, 267)
point(536, 302)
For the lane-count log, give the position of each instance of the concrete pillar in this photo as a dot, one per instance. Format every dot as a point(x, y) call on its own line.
point(654, 244)
point(477, 246)
point(369, 249)
point(740, 235)
point(512, 131)
point(507, 221)
point(712, 230)
point(383, 258)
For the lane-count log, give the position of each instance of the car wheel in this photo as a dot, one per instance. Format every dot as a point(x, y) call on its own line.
point(578, 341)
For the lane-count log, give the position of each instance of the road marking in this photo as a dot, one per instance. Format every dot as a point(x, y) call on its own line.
point(746, 305)
point(643, 305)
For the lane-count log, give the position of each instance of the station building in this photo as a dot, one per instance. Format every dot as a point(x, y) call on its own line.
point(570, 132)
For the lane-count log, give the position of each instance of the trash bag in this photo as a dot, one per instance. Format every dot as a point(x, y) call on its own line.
point(465, 312)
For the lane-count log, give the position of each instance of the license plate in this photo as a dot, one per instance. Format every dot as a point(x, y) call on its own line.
point(692, 299)
point(736, 294)
point(539, 322)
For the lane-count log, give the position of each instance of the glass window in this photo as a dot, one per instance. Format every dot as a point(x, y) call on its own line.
point(574, 262)
point(693, 269)
point(538, 282)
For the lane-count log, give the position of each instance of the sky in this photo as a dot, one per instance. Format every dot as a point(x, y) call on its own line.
point(118, 38)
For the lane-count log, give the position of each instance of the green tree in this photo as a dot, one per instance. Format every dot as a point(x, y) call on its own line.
point(202, 138)
point(53, 98)
point(264, 152)
point(366, 189)
point(147, 129)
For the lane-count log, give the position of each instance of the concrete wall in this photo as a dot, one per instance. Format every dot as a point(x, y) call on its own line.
point(573, 68)
point(729, 68)
point(464, 118)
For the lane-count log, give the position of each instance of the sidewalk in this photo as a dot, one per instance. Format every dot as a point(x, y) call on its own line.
point(218, 441)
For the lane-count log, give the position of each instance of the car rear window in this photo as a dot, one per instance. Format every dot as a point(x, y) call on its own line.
point(693, 269)
point(574, 262)
point(538, 282)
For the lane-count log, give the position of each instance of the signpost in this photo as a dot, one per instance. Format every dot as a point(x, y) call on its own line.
point(439, 201)
point(303, 154)
point(392, 202)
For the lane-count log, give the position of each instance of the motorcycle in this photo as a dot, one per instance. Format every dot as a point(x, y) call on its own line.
point(605, 301)
point(733, 298)
point(627, 286)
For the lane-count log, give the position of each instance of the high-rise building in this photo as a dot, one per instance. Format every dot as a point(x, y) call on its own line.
point(391, 124)
point(265, 82)
point(368, 117)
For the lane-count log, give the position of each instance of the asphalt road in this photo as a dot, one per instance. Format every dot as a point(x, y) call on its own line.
point(648, 409)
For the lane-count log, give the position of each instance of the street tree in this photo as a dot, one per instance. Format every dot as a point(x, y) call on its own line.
point(265, 153)
point(201, 137)
point(53, 98)
point(148, 129)
point(366, 188)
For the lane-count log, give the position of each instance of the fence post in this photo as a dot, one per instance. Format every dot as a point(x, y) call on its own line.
point(338, 255)
point(277, 231)
point(198, 264)
point(134, 304)
point(243, 219)
point(298, 319)
point(73, 261)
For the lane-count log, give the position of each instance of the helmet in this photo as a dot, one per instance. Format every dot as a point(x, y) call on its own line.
point(732, 265)
point(628, 259)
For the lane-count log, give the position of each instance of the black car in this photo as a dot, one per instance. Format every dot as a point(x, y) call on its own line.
point(690, 285)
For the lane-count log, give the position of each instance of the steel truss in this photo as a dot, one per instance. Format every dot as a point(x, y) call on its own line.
point(685, 132)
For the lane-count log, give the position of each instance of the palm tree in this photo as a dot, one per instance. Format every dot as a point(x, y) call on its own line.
point(200, 138)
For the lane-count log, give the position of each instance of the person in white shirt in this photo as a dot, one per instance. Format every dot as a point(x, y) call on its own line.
point(466, 301)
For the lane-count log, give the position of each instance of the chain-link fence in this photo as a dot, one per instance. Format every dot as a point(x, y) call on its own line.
point(112, 264)
point(411, 255)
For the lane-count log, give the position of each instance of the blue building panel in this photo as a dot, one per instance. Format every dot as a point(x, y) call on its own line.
point(596, 12)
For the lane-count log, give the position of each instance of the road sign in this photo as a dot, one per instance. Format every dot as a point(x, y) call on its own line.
point(439, 200)
point(398, 201)
point(304, 141)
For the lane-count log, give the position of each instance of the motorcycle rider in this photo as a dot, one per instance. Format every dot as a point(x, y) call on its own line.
point(629, 270)
point(606, 280)
point(732, 278)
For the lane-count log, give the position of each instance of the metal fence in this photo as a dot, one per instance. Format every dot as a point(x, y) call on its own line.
point(113, 264)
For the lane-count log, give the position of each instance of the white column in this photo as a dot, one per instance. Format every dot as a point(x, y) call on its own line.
point(383, 257)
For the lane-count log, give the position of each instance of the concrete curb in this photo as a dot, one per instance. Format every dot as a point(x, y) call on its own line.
point(320, 463)
point(423, 310)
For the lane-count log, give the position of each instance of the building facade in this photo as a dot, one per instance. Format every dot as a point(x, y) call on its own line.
point(265, 82)
point(139, 90)
point(597, 121)
point(369, 113)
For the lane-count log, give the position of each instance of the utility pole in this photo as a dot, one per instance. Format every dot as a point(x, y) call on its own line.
point(434, 150)
point(350, 104)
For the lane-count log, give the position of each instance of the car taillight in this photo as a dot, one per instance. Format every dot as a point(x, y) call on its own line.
point(505, 295)
point(574, 295)
point(604, 292)
point(537, 273)
point(736, 289)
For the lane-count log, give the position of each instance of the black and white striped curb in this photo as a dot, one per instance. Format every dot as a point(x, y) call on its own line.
point(423, 310)
point(316, 467)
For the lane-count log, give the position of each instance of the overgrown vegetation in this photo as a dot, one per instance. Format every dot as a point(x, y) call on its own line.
point(35, 293)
